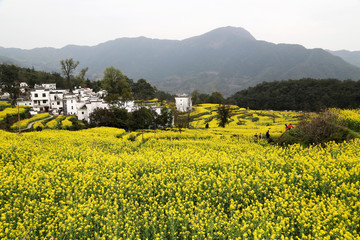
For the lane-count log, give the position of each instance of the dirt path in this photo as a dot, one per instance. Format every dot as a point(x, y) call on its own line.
point(32, 123)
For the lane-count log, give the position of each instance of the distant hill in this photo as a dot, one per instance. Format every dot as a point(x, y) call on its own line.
point(226, 59)
point(349, 56)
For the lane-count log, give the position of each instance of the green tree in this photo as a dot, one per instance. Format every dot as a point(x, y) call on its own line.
point(80, 79)
point(165, 118)
point(195, 97)
point(68, 67)
point(223, 114)
point(141, 119)
point(217, 97)
point(161, 95)
point(102, 117)
point(114, 82)
point(143, 90)
point(9, 79)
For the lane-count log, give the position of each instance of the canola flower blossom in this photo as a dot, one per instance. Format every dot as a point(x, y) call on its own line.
point(350, 116)
point(24, 123)
point(66, 123)
point(105, 183)
point(243, 122)
point(12, 111)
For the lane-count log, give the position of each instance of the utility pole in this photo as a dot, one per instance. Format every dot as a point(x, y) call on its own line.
point(19, 119)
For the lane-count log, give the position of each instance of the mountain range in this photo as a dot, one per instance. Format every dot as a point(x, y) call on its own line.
point(227, 59)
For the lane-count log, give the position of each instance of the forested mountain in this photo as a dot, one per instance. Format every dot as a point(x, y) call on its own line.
point(226, 59)
point(352, 57)
point(300, 95)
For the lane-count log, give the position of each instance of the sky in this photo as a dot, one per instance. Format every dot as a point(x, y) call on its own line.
point(327, 24)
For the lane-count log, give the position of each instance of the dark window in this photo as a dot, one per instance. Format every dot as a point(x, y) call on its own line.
point(36, 95)
point(44, 94)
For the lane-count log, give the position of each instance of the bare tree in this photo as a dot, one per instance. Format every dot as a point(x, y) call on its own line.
point(67, 67)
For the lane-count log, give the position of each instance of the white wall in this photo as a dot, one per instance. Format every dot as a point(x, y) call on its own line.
point(183, 103)
point(40, 99)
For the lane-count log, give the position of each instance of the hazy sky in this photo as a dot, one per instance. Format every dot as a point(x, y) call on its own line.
point(328, 24)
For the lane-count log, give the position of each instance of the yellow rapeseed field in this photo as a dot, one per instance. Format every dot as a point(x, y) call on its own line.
point(12, 111)
point(244, 123)
point(104, 183)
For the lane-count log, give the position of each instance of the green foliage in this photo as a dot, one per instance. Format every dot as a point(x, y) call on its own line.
point(321, 129)
point(164, 96)
point(9, 78)
point(114, 82)
point(143, 90)
point(142, 118)
point(164, 120)
point(300, 95)
point(216, 97)
point(30, 76)
point(224, 114)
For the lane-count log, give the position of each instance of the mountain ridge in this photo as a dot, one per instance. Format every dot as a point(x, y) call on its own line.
point(352, 57)
point(226, 59)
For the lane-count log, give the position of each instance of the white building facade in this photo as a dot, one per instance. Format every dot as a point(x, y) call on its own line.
point(183, 103)
point(40, 99)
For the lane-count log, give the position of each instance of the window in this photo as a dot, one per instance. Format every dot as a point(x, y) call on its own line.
point(29, 103)
point(44, 101)
point(82, 112)
point(35, 95)
point(58, 103)
point(71, 101)
point(72, 107)
point(44, 95)
point(52, 103)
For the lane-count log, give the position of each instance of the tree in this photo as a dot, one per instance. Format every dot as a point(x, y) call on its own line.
point(68, 66)
point(195, 97)
point(165, 118)
point(224, 114)
point(181, 120)
point(204, 98)
point(102, 117)
point(114, 82)
point(80, 79)
point(143, 90)
point(9, 79)
point(161, 95)
point(122, 118)
point(141, 119)
point(217, 97)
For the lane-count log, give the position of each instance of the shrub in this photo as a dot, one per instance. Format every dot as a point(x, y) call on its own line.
point(321, 129)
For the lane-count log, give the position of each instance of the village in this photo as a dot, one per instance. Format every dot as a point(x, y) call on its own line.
point(81, 102)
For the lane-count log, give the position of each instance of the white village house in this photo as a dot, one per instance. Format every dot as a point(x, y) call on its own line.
point(80, 102)
point(183, 103)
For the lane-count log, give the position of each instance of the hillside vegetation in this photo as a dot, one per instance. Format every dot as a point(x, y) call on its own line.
point(300, 95)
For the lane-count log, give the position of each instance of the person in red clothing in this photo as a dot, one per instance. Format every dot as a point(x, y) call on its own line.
point(290, 126)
